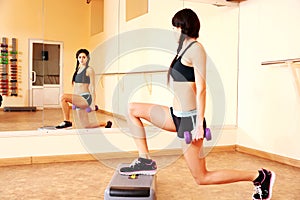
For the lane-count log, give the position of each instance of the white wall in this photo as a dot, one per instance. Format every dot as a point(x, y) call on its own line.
point(269, 105)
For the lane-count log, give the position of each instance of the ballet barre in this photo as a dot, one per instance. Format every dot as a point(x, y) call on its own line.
point(286, 61)
point(148, 75)
point(128, 73)
point(292, 64)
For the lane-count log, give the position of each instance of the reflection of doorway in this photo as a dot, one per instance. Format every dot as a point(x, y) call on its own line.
point(45, 68)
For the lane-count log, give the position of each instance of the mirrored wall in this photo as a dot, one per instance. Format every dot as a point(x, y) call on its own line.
point(131, 44)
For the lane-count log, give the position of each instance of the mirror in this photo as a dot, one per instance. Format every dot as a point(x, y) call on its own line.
point(131, 49)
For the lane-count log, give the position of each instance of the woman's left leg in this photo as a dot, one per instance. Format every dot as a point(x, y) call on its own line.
point(262, 179)
point(89, 120)
point(197, 166)
point(85, 122)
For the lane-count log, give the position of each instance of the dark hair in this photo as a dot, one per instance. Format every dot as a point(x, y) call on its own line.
point(188, 21)
point(87, 53)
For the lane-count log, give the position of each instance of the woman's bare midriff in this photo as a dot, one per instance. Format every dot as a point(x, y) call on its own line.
point(80, 88)
point(184, 96)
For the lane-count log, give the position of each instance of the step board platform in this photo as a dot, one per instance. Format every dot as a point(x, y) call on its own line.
point(141, 187)
point(20, 109)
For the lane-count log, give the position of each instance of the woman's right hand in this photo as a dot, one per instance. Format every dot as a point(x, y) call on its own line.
point(198, 133)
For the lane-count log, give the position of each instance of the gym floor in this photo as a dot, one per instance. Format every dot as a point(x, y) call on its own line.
point(88, 180)
point(24, 121)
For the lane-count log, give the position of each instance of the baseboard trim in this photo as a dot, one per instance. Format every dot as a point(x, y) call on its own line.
point(269, 156)
point(94, 157)
point(113, 155)
point(112, 114)
point(15, 161)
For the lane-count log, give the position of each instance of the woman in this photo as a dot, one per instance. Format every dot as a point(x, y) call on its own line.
point(188, 71)
point(84, 95)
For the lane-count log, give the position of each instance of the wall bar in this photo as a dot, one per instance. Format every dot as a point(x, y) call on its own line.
point(281, 61)
point(289, 63)
point(141, 72)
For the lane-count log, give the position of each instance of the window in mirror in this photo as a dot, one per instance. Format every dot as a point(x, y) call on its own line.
point(97, 16)
point(136, 8)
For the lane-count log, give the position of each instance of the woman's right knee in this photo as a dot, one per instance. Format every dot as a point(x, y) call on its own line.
point(63, 97)
point(131, 111)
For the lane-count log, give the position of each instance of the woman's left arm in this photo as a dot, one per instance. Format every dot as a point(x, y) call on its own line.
point(199, 63)
point(91, 74)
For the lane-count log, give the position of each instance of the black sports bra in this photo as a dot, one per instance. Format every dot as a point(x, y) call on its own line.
point(180, 72)
point(82, 77)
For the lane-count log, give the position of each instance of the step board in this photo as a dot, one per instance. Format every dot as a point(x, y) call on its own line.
point(20, 109)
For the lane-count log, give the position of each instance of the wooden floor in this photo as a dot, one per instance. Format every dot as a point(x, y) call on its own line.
point(88, 180)
point(24, 121)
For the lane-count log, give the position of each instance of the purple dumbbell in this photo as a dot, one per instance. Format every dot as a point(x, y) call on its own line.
point(207, 134)
point(188, 136)
point(88, 109)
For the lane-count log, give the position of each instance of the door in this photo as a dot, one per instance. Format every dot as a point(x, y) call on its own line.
point(45, 68)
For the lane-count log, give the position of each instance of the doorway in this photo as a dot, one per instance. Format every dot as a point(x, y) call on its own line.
point(45, 72)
